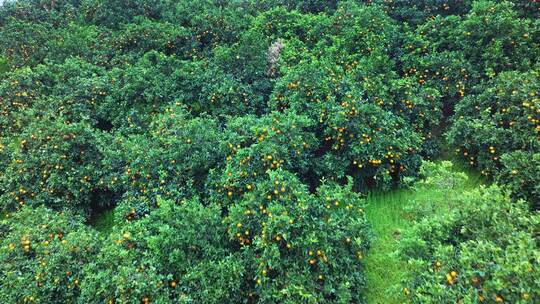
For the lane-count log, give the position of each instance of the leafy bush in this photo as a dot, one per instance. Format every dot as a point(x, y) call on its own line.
point(42, 254)
point(520, 173)
point(172, 160)
point(501, 118)
point(71, 89)
point(276, 140)
point(178, 253)
point(301, 247)
point(4, 65)
point(231, 138)
point(357, 138)
point(454, 54)
point(419, 11)
point(475, 252)
point(52, 162)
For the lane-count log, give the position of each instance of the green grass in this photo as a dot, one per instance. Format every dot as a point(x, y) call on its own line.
point(387, 213)
point(105, 222)
point(384, 270)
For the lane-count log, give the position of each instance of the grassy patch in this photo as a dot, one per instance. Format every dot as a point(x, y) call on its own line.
point(104, 222)
point(388, 215)
point(384, 270)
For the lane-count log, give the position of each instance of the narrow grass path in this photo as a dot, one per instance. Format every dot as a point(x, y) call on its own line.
point(384, 270)
point(387, 213)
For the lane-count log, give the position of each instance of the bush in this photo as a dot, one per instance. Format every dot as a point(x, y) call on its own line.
point(476, 252)
point(276, 140)
point(454, 54)
point(42, 254)
point(231, 139)
point(71, 89)
point(356, 137)
point(420, 11)
point(520, 173)
point(54, 163)
point(501, 118)
point(172, 160)
point(177, 254)
point(4, 66)
point(301, 247)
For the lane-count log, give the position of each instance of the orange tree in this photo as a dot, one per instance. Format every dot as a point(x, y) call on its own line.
point(52, 162)
point(71, 89)
point(502, 117)
point(338, 73)
point(115, 103)
point(172, 160)
point(300, 247)
point(116, 13)
point(22, 42)
point(211, 23)
point(257, 144)
point(144, 35)
point(520, 173)
point(42, 253)
point(418, 12)
point(137, 92)
point(35, 29)
point(475, 253)
point(527, 8)
point(453, 54)
point(305, 6)
point(177, 254)
point(356, 136)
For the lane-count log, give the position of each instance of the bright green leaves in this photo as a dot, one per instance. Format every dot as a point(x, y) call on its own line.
point(256, 122)
point(177, 253)
point(520, 173)
point(42, 254)
point(4, 65)
point(475, 252)
point(501, 118)
point(52, 162)
point(172, 160)
point(297, 239)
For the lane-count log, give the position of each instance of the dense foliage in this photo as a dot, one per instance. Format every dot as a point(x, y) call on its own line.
point(234, 140)
point(498, 127)
point(475, 252)
point(42, 254)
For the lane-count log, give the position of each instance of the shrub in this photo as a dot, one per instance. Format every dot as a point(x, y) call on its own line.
point(232, 137)
point(42, 254)
point(4, 65)
point(301, 247)
point(520, 173)
point(356, 136)
point(420, 11)
point(276, 140)
point(501, 118)
point(172, 160)
point(71, 89)
point(177, 254)
point(454, 54)
point(52, 162)
point(483, 249)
